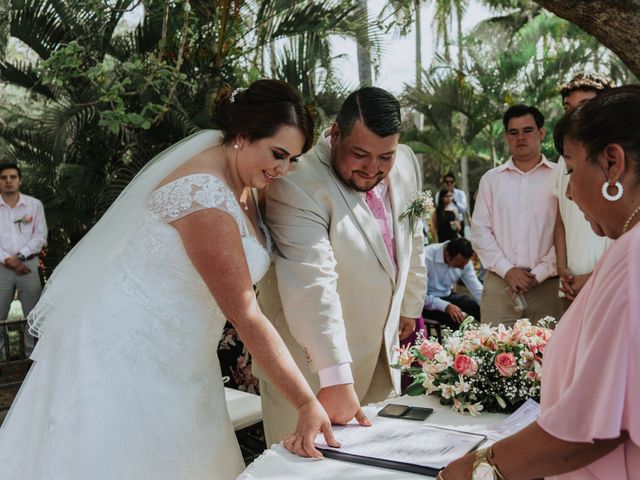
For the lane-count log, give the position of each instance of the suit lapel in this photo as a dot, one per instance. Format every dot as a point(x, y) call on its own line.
point(400, 236)
point(360, 212)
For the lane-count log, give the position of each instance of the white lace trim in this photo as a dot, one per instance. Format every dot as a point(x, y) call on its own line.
point(193, 193)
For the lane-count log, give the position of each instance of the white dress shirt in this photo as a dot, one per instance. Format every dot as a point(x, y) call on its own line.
point(442, 278)
point(514, 219)
point(584, 247)
point(22, 237)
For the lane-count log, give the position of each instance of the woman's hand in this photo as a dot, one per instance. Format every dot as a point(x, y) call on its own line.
point(312, 419)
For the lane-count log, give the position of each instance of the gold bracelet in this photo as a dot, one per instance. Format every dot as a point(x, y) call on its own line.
point(440, 476)
point(493, 464)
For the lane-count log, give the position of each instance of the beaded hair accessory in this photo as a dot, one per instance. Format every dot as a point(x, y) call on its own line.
point(238, 90)
point(586, 81)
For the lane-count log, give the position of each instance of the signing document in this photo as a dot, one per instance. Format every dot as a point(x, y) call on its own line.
point(400, 444)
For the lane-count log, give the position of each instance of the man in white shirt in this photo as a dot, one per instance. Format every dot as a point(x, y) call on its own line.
point(578, 248)
point(447, 263)
point(23, 233)
point(348, 273)
point(513, 223)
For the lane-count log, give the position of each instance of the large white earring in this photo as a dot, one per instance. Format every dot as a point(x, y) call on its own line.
point(612, 198)
point(236, 146)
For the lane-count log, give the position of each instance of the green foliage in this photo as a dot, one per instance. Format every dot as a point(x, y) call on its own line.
point(520, 56)
point(93, 99)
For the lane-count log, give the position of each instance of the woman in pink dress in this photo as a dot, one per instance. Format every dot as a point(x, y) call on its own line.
point(589, 426)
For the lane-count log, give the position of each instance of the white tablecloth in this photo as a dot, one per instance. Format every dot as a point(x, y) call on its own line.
point(277, 463)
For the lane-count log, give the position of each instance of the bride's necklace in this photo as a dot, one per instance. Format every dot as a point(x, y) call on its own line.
point(628, 222)
point(244, 195)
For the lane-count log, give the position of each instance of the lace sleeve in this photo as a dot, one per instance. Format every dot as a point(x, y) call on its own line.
point(191, 194)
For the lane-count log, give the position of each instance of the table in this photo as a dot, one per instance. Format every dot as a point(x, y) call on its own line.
point(244, 408)
point(278, 464)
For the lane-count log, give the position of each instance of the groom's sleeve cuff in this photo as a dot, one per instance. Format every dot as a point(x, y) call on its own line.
point(335, 375)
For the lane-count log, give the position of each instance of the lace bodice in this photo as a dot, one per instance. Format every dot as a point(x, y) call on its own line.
point(200, 191)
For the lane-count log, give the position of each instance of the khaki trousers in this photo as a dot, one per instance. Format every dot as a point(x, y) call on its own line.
point(280, 417)
point(497, 305)
point(29, 289)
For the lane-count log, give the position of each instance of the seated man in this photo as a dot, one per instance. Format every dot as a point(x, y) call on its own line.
point(447, 263)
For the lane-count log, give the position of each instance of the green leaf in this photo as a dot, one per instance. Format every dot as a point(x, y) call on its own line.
point(414, 389)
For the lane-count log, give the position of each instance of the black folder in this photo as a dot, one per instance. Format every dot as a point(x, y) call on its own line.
point(379, 462)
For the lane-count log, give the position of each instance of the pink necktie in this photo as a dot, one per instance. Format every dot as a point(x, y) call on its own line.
point(380, 214)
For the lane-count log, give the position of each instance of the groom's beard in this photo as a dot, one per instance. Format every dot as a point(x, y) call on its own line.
point(349, 182)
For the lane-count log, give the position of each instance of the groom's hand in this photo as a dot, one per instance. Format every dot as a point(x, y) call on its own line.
point(342, 404)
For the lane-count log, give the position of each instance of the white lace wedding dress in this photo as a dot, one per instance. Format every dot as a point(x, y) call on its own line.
point(131, 388)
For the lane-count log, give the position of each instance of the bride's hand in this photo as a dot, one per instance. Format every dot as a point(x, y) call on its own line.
point(312, 419)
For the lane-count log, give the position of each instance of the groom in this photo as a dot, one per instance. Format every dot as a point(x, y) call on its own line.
point(348, 273)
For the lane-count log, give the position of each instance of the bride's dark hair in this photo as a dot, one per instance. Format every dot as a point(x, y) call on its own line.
point(260, 110)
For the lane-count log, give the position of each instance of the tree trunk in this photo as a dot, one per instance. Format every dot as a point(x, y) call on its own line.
point(364, 56)
point(418, 45)
point(615, 23)
point(464, 161)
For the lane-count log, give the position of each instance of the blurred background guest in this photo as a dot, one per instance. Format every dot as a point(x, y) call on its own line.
point(447, 263)
point(459, 197)
point(23, 233)
point(513, 225)
point(445, 220)
point(578, 249)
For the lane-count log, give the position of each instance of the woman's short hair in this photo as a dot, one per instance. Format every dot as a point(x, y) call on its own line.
point(260, 110)
point(611, 117)
point(378, 109)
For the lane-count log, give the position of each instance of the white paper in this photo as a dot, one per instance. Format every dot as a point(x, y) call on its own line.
point(522, 417)
point(403, 441)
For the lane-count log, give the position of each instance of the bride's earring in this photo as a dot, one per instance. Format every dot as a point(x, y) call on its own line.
point(244, 196)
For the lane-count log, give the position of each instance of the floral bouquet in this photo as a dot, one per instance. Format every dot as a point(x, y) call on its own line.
point(479, 367)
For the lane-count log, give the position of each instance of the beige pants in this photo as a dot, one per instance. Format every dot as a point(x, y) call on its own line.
point(280, 417)
point(497, 306)
point(29, 289)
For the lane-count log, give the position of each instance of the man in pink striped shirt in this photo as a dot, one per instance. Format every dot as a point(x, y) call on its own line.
point(513, 224)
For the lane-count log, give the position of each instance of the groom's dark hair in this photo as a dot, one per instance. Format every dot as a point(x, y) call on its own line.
point(376, 108)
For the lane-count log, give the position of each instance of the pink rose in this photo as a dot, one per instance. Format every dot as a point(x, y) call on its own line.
point(27, 219)
point(430, 349)
point(465, 365)
point(506, 364)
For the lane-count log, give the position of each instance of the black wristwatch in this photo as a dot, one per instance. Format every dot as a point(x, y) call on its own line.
point(21, 257)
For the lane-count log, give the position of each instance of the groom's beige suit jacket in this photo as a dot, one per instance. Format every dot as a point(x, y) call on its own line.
point(333, 293)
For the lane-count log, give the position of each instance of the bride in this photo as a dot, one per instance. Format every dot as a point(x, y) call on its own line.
point(125, 382)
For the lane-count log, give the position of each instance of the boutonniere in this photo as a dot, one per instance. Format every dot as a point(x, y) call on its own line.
point(419, 208)
point(27, 219)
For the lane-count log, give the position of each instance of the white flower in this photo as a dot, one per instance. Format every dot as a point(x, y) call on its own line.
point(461, 386)
point(448, 391)
point(485, 330)
point(475, 409)
point(443, 358)
point(454, 344)
point(428, 384)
